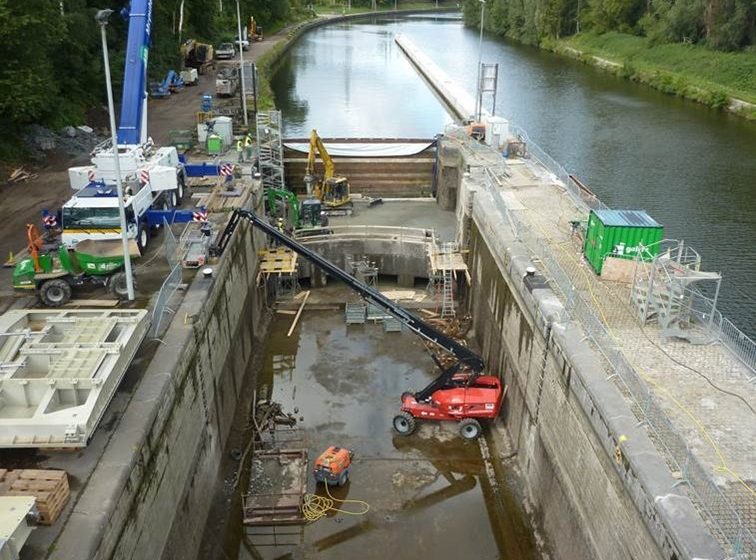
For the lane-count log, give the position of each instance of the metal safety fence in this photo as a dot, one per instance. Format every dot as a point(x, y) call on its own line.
point(733, 532)
point(171, 282)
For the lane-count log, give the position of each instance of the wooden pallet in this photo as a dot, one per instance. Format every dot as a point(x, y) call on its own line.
point(49, 488)
point(277, 261)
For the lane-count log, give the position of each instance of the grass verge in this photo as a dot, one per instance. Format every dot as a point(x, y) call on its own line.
point(710, 77)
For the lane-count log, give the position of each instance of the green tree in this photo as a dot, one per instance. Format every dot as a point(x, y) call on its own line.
point(29, 32)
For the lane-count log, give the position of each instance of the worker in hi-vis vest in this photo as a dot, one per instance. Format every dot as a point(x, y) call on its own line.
point(240, 150)
point(248, 144)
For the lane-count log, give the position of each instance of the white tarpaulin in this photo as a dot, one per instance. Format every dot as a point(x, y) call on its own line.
point(375, 149)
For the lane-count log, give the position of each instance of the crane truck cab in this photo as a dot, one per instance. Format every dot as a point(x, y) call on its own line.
point(151, 178)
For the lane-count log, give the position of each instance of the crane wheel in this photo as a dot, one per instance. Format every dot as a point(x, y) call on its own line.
point(143, 237)
point(55, 293)
point(470, 429)
point(180, 189)
point(404, 424)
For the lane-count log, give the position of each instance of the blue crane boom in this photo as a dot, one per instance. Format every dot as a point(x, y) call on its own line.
point(132, 128)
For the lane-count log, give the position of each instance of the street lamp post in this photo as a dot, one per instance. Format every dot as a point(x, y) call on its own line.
point(478, 100)
point(102, 19)
point(241, 66)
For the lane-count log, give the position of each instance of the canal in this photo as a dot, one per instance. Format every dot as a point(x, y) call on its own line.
point(692, 168)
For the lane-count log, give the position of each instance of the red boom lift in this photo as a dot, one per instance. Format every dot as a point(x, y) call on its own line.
point(461, 392)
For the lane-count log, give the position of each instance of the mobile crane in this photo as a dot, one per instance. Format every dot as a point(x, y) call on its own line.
point(152, 177)
point(332, 191)
point(461, 392)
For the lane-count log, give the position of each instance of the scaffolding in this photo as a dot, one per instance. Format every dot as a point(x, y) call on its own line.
point(445, 263)
point(365, 271)
point(278, 266)
point(270, 149)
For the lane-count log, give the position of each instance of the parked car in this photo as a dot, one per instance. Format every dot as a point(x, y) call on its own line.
point(225, 51)
point(244, 44)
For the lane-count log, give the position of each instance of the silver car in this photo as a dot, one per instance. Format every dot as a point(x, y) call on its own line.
point(225, 51)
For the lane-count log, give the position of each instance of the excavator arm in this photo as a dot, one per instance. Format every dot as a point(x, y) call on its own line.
point(316, 144)
point(466, 358)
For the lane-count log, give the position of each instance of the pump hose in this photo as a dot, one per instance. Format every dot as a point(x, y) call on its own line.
point(316, 507)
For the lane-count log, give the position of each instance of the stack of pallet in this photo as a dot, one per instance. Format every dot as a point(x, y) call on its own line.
point(49, 488)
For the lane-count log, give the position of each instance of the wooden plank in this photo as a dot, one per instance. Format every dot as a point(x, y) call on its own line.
point(299, 312)
point(92, 303)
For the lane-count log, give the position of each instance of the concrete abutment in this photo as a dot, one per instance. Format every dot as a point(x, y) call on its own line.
point(148, 495)
point(597, 485)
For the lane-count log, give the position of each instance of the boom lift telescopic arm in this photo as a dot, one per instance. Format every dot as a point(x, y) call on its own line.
point(465, 357)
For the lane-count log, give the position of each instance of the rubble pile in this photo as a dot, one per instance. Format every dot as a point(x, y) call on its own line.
point(73, 141)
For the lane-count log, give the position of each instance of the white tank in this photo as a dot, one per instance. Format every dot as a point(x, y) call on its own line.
point(497, 131)
point(225, 129)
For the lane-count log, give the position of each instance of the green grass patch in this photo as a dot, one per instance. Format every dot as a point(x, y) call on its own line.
point(692, 71)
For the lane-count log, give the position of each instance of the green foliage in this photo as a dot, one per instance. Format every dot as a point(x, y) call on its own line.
point(52, 69)
point(693, 71)
point(725, 25)
point(29, 33)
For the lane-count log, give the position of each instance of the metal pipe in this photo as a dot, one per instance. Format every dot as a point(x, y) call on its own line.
point(241, 64)
point(102, 19)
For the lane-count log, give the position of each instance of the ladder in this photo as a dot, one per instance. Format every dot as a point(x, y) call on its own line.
point(447, 294)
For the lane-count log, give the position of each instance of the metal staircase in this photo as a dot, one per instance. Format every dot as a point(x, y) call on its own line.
point(665, 290)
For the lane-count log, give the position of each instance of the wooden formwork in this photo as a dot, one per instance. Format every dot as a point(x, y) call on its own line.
point(48, 487)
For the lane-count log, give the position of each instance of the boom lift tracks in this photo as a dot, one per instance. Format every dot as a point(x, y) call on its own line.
point(462, 392)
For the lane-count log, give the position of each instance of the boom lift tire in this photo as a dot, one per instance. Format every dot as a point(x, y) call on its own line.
point(180, 189)
point(470, 429)
point(55, 293)
point(404, 424)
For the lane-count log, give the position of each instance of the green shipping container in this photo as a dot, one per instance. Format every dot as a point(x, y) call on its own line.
point(620, 233)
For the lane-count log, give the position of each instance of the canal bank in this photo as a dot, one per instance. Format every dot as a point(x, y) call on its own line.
point(691, 168)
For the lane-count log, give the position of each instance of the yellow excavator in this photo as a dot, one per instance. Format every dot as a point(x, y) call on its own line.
point(332, 191)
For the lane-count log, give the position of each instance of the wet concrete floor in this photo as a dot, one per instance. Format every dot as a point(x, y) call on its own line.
point(428, 493)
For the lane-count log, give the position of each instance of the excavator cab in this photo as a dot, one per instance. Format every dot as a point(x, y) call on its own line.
point(312, 215)
point(335, 191)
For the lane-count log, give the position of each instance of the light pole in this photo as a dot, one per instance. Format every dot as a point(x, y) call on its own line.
point(478, 103)
point(101, 17)
point(241, 65)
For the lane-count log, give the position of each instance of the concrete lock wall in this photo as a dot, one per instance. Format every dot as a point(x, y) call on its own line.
point(147, 498)
point(406, 260)
point(593, 498)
